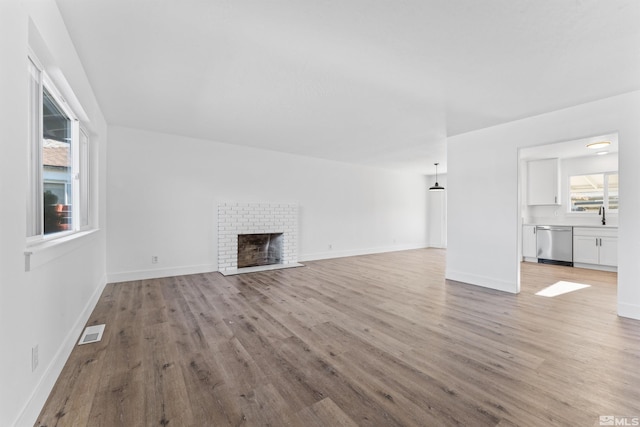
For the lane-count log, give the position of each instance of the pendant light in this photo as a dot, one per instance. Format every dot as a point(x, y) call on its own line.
point(436, 187)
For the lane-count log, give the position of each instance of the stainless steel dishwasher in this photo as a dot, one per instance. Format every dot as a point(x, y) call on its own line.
point(554, 244)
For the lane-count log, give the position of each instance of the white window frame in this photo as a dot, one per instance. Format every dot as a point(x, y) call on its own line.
point(84, 180)
point(34, 169)
point(80, 159)
point(605, 192)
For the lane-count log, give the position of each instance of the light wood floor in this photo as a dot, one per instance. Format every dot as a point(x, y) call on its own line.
point(378, 340)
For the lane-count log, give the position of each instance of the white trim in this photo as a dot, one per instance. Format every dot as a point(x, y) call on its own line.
point(356, 252)
point(36, 255)
point(631, 311)
point(52, 88)
point(84, 179)
point(482, 281)
point(34, 153)
point(258, 268)
point(596, 267)
point(28, 415)
point(127, 276)
point(34, 58)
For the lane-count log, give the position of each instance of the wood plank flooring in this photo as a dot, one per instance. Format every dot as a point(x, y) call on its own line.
point(377, 340)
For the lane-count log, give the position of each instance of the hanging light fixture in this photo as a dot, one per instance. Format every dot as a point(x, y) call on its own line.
point(437, 186)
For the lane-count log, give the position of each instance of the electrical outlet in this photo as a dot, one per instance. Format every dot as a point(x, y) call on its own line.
point(154, 259)
point(34, 358)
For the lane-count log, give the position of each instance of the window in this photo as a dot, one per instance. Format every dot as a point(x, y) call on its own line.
point(589, 192)
point(58, 199)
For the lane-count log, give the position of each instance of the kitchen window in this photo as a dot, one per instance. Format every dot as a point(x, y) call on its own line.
point(58, 162)
point(589, 192)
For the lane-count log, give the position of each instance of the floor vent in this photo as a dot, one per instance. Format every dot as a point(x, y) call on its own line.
point(91, 334)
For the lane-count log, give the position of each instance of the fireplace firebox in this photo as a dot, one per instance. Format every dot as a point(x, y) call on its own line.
point(260, 249)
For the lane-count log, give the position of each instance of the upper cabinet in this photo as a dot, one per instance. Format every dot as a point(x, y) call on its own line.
point(543, 182)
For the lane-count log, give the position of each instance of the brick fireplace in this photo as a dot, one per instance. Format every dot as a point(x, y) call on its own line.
point(236, 219)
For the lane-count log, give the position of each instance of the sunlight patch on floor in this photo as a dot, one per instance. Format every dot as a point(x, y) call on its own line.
point(560, 288)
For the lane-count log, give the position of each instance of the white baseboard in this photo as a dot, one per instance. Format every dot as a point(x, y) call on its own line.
point(127, 276)
point(29, 414)
point(485, 282)
point(631, 311)
point(595, 267)
point(355, 252)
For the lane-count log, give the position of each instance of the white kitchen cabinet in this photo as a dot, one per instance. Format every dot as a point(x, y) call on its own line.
point(543, 182)
point(609, 251)
point(529, 242)
point(586, 250)
point(595, 246)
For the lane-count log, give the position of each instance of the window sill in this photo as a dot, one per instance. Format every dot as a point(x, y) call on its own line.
point(41, 253)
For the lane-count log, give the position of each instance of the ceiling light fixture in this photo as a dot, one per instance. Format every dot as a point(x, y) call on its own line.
point(602, 153)
point(599, 144)
point(436, 187)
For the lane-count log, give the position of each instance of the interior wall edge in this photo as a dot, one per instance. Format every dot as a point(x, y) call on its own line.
point(29, 413)
point(631, 311)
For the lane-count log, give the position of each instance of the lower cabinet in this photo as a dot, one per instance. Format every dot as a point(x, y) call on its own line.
point(609, 251)
point(586, 249)
point(595, 246)
point(529, 246)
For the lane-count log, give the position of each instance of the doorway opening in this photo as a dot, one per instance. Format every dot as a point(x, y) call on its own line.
point(569, 185)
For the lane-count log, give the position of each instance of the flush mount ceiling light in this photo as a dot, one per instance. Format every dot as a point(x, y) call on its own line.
point(599, 144)
point(436, 187)
point(602, 153)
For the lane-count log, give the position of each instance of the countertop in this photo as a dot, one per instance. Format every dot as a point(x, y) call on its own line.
point(576, 225)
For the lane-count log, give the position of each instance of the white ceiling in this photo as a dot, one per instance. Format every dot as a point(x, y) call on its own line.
point(571, 149)
point(374, 82)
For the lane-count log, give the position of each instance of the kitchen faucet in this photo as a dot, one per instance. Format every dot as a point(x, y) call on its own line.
point(601, 212)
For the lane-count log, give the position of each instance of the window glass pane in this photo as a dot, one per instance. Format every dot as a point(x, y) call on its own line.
point(587, 192)
point(613, 191)
point(56, 166)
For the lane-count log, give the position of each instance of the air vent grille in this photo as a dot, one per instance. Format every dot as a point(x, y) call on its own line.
point(91, 334)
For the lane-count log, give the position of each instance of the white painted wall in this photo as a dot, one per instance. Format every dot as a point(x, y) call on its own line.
point(164, 190)
point(560, 215)
point(483, 205)
point(49, 305)
point(437, 213)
